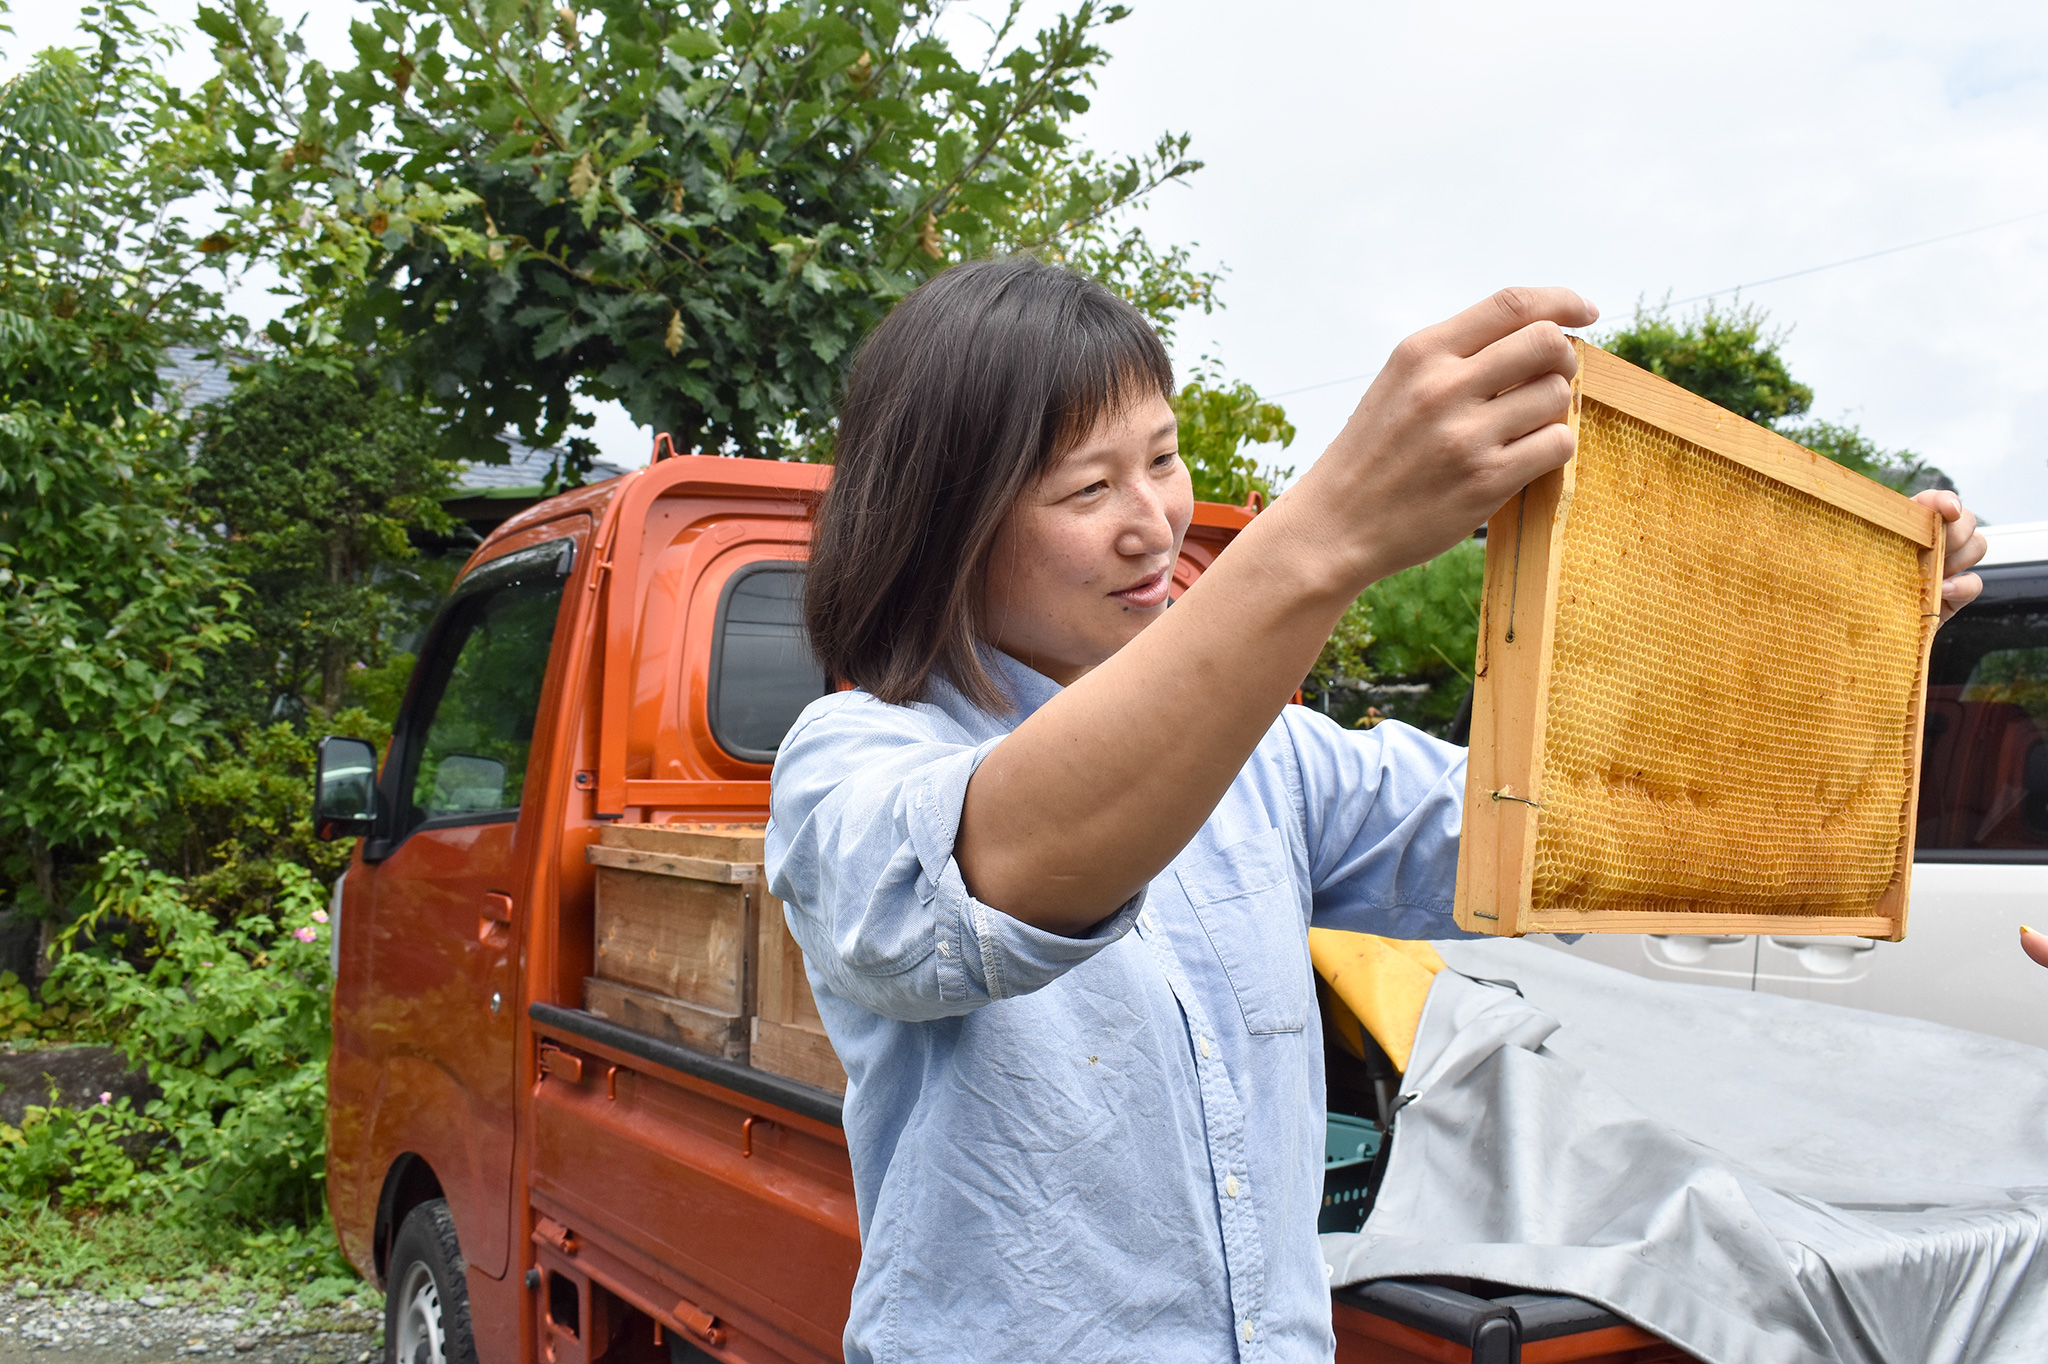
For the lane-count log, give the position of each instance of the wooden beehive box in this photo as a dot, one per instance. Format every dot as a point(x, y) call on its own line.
point(788, 1036)
point(691, 946)
point(676, 912)
point(1701, 672)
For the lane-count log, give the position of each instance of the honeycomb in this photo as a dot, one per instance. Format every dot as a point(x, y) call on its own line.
point(1732, 689)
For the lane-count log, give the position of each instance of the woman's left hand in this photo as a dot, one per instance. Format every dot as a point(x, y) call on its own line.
point(1959, 586)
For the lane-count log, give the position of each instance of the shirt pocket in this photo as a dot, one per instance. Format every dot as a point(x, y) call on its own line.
point(1245, 898)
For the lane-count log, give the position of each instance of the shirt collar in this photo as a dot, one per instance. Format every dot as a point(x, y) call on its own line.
point(1027, 687)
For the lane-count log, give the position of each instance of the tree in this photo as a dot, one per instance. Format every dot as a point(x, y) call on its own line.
point(319, 477)
point(1218, 419)
point(691, 206)
point(1730, 357)
point(1727, 357)
point(109, 599)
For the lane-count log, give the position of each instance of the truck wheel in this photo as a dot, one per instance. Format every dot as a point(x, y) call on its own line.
point(426, 1299)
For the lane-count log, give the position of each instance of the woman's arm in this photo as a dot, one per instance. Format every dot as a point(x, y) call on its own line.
point(1092, 796)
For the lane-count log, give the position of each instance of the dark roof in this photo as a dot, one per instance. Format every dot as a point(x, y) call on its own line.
point(197, 381)
point(526, 470)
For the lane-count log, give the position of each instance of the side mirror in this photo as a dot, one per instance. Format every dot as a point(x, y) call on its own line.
point(345, 791)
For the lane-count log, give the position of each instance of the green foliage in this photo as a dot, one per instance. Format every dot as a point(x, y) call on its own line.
point(1727, 357)
point(245, 813)
point(126, 1252)
point(109, 605)
point(1410, 638)
point(318, 479)
point(1218, 420)
point(230, 1022)
point(693, 207)
point(79, 1156)
point(1731, 358)
point(1848, 446)
point(25, 1018)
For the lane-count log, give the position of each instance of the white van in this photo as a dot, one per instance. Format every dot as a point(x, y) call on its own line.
point(1981, 851)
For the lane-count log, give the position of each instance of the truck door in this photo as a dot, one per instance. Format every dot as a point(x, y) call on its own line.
point(446, 888)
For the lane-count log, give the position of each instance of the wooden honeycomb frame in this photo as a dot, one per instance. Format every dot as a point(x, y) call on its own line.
point(1524, 549)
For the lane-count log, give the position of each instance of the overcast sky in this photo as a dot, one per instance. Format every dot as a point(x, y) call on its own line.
point(1372, 168)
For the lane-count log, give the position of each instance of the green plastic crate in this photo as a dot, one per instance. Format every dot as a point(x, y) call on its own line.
point(1349, 1145)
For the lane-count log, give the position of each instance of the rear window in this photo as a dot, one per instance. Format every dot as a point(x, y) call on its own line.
point(762, 670)
point(1984, 764)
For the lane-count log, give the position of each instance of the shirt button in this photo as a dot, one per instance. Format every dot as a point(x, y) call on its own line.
point(1247, 1330)
point(1204, 1044)
point(1230, 1187)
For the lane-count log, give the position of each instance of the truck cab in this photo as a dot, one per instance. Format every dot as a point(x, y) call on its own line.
point(530, 1179)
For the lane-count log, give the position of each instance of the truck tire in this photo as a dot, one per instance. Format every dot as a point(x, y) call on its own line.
point(426, 1297)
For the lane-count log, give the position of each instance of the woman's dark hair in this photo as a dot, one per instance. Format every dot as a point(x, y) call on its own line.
point(956, 404)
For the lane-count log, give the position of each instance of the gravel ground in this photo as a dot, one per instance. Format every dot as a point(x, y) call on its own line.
point(37, 1323)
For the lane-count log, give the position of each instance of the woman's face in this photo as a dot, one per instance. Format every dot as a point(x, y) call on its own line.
point(1084, 561)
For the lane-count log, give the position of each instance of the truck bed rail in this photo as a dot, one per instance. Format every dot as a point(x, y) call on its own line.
point(807, 1100)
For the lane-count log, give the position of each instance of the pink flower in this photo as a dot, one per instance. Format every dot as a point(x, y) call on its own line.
point(304, 934)
point(106, 1096)
point(319, 916)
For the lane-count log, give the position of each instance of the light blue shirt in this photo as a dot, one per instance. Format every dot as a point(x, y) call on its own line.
point(1107, 1147)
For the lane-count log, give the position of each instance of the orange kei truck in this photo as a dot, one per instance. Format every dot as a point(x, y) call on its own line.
point(533, 1179)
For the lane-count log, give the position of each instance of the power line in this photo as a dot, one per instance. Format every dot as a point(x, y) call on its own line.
point(1753, 284)
point(1857, 260)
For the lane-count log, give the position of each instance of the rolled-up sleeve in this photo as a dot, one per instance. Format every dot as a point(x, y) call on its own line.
point(865, 811)
point(1382, 809)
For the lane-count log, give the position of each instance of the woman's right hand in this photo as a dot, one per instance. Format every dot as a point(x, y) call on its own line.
point(1465, 414)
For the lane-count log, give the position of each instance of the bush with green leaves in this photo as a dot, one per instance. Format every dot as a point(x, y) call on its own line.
point(1404, 650)
point(230, 1023)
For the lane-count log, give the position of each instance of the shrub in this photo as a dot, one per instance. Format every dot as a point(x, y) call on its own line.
point(229, 1021)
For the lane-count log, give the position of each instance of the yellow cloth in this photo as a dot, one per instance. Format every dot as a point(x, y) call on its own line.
point(1381, 982)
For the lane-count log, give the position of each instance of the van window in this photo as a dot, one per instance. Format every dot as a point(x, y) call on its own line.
point(762, 671)
point(1984, 763)
point(488, 669)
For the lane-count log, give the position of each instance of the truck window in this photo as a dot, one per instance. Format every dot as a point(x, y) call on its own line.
point(762, 670)
point(481, 696)
point(1984, 765)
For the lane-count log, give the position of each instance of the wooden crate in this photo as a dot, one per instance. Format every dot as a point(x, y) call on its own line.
point(788, 1036)
point(1700, 680)
point(676, 911)
point(668, 962)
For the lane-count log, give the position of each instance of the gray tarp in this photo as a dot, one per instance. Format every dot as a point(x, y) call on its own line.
point(1755, 1178)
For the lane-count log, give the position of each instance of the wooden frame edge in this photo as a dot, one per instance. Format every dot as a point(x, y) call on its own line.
point(1656, 921)
point(1511, 680)
point(1608, 379)
point(1510, 696)
point(1898, 897)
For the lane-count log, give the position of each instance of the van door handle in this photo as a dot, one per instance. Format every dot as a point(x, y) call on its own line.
point(494, 920)
point(1846, 944)
point(1826, 956)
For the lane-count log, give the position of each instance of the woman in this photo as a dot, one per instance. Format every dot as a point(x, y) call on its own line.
point(1052, 862)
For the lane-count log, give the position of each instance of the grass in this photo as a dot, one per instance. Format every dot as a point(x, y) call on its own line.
point(127, 1253)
